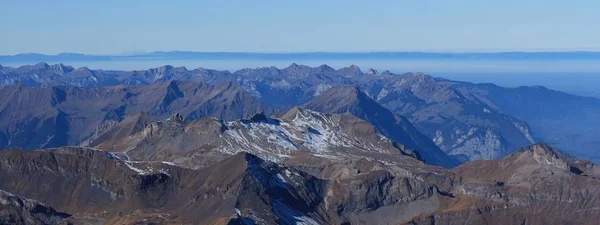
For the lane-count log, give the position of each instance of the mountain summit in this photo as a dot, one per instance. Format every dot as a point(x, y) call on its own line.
point(350, 99)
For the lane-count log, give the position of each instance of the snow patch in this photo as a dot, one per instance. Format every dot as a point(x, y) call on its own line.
point(146, 171)
point(169, 163)
point(321, 88)
point(281, 178)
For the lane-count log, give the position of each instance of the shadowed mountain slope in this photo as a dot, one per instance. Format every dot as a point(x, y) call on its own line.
point(33, 118)
point(352, 100)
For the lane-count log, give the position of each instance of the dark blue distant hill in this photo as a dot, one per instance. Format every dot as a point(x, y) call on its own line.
point(187, 55)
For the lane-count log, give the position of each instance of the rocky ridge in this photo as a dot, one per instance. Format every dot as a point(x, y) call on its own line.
point(33, 118)
point(350, 99)
point(279, 138)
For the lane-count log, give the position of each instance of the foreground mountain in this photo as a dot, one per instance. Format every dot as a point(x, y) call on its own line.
point(352, 100)
point(99, 187)
point(33, 118)
point(536, 185)
point(104, 187)
point(530, 186)
point(18, 210)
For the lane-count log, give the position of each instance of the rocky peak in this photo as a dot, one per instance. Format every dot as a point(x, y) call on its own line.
point(386, 73)
point(371, 71)
point(259, 117)
point(84, 68)
point(41, 65)
point(258, 73)
point(300, 113)
point(165, 73)
point(61, 69)
point(342, 99)
point(165, 68)
point(545, 154)
point(177, 118)
point(293, 66)
point(351, 71)
point(296, 69)
point(324, 69)
point(420, 77)
point(172, 92)
point(169, 68)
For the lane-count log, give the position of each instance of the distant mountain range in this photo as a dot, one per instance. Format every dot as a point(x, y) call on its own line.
point(467, 121)
point(180, 55)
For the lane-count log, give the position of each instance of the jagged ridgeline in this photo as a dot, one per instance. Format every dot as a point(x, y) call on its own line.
point(297, 145)
point(466, 121)
point(43, 117)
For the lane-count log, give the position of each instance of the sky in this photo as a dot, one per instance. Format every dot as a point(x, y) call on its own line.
point(128, 26)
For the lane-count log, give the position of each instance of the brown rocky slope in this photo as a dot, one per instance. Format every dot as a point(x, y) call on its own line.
point(357, 177)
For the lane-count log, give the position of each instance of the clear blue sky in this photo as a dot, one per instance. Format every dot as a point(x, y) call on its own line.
point(110, 26)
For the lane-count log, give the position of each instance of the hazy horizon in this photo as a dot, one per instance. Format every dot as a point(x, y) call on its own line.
point(116, 27)
point(431, 51)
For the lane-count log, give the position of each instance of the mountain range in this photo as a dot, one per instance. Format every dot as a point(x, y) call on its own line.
point(33, 118)
point(297, 145)
point(435, 106)
point(182, 55)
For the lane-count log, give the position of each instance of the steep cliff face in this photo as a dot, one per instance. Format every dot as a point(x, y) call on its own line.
point(567, 121)
point(458, 122)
